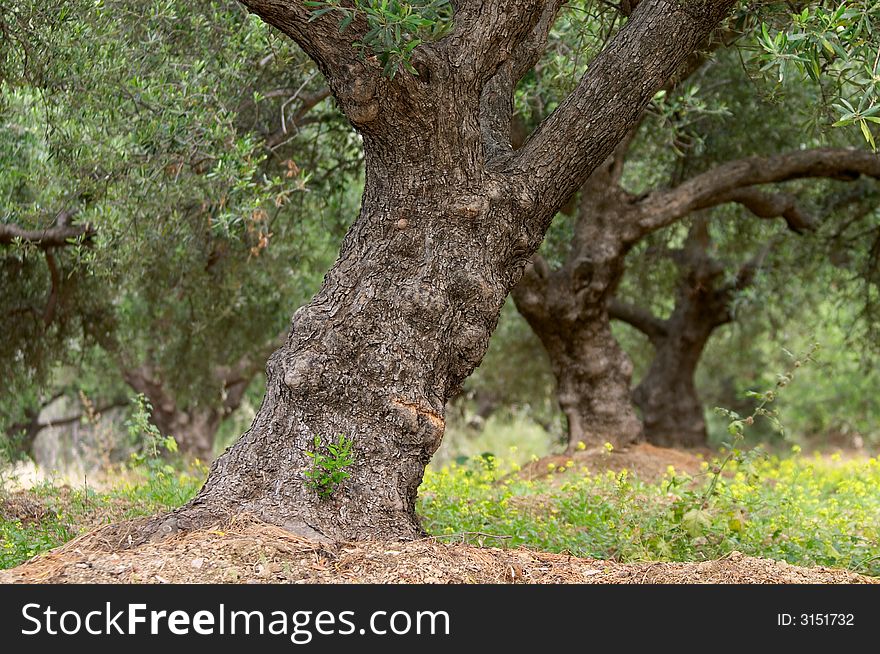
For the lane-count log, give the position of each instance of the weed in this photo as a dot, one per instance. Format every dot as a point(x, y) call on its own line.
point(329, 469)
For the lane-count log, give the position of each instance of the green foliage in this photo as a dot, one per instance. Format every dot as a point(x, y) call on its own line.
point(680, 114)
point(163, 480)
point(20, 541)
point(835, 403)
point(153, 481)
point(329, 465)
point(394, 28)
point(807, 511)
point(516, 372)
point(142, 431)
point(178, 133)
point(835, 47)
point(68, 512)
point(804, 510)
point(738, 424)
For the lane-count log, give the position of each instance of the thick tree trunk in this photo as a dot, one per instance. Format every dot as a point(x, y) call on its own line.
point(667, 396)
point(567, 310)
point(402, 319)
point(449, 218)
point(594, 386)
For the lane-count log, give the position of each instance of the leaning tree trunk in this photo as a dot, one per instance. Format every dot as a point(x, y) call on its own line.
point(365, 360)
point(672, 412)
point(448, 220)
point(667, 395)
point(567, 310)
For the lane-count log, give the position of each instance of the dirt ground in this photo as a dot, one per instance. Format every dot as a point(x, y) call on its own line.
point(253, 552)
point(646, 461)
point(247, 551)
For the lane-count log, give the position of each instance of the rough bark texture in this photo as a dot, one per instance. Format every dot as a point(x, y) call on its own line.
point(446, 226)
point(672, 412)
point(568, 308)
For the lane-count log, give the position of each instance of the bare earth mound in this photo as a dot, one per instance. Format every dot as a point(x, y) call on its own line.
point(250, 552)
point(646, 461)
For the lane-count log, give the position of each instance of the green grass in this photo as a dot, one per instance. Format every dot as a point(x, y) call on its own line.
point(805, 510)
point(508, 432)
point(59, 514)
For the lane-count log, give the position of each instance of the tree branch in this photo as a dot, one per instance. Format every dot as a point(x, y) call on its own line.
point(774, 205)
point(642, 319)
point(76, 418)
point(60, 235)
point(496, 101)
point(724, 183)
point(356, 82)
point(486, 33)
point(307, 103)
point(621, 81)
point(34, 426)
point(319, 37)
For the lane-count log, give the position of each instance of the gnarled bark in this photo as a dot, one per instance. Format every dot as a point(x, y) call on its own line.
point(567, 310)
point(667, 396)
point(446, 226)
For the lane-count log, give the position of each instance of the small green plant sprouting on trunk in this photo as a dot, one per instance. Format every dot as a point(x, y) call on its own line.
point(329, 469)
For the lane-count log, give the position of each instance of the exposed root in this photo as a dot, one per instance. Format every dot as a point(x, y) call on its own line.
point(191, 519)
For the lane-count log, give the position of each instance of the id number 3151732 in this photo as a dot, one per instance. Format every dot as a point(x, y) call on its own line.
point(815, 619)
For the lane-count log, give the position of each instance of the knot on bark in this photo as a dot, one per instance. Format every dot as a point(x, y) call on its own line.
point(471, 206)
point(303, 372)
point(360, 100)
point(473, 290)
point(423, 305)
point(363, 114)
point(424, 424)
point(362, 89)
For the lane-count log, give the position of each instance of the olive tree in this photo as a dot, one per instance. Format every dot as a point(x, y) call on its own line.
point(449, 218)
